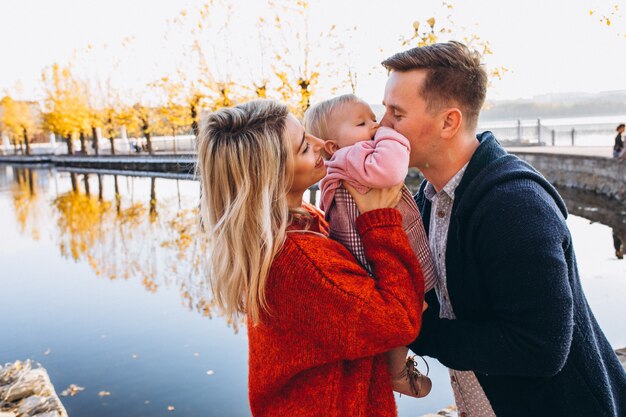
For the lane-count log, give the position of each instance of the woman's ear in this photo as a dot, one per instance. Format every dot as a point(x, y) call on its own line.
point(330, 147)
point(452, 119)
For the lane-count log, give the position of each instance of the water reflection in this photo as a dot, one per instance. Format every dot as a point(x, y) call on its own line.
point(598, 209)
point(119, 236)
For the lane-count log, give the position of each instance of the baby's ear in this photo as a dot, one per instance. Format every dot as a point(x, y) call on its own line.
point(330, 147)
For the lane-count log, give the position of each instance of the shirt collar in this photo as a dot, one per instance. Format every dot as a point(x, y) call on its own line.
point(449, 188)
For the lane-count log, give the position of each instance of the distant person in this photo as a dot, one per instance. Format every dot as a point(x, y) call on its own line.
point(618, 147)
point(318, 324)
point(618, 244)
point(367, 156)
point(508, 315)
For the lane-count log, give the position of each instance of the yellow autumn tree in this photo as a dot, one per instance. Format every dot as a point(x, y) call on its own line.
point(296, 62)
point(204, 77)
point(18, 121)
point(146, 121)
point(439, 29)
point(65, 108)
point(610, 16)
point(175, 110)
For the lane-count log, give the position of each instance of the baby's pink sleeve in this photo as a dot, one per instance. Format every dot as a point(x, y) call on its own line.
point(381, 163)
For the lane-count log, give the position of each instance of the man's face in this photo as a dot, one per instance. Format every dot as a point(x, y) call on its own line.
point(406, 111)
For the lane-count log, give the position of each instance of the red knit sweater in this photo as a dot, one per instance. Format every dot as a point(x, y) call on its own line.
point(320, 350)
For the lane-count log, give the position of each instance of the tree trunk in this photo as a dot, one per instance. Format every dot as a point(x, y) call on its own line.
point(96, 144)
point(86, 181)
point(112, 140)
point(26, 141)
point(31, 182)
point(83, 143)
point(70, 144)
point(118, 197)
point(74, 182)
point(194, 123)
point(100, 188)
point(153, 211)
point(145, 127)
point(174, 140)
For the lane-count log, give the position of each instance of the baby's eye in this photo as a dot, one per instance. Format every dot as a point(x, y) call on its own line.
point(361, 124)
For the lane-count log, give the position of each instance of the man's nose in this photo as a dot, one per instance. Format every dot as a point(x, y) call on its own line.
point(385, 121)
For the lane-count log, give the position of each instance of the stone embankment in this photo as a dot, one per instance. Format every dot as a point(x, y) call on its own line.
point(26, 391)
point(579, 168)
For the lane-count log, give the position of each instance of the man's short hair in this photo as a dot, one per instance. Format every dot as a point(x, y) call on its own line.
point(455, 76)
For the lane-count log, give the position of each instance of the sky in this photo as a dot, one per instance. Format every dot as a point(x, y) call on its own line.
point(547, 46)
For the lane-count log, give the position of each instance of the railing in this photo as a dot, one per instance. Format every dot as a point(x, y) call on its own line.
point(584, 131)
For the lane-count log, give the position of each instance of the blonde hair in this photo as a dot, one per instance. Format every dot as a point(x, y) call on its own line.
point(317, 117)
point(243, 160)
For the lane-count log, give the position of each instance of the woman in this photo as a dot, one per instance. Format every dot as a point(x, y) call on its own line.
point(318, 324)
point(618, 148)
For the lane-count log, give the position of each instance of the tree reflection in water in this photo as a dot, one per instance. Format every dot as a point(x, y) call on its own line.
point(26, 202)
point(122, 237)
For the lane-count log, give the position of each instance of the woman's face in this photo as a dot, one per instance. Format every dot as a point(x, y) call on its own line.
point(308, 164)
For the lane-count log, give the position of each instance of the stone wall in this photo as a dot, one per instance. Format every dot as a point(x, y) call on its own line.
point(604, 176)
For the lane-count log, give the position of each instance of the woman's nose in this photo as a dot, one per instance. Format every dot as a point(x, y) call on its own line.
point(317, 143)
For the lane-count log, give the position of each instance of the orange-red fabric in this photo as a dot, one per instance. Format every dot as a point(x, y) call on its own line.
point(320, 349)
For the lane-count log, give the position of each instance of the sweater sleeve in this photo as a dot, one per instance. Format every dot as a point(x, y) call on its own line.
point(335, 308)
point(520, 247)
point(381, 164)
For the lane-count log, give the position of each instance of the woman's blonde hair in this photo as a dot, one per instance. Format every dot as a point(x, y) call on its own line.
point(243, 160)
point(317, 117)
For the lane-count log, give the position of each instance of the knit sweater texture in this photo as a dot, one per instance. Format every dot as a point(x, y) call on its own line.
point(320, 349)
point(523, 323)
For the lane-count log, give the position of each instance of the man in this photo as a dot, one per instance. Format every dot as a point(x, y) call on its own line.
point(508, 315)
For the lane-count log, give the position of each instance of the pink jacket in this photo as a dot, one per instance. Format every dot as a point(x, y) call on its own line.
point(379, 163)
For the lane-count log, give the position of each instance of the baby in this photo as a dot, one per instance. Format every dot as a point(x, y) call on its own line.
point(366, 156)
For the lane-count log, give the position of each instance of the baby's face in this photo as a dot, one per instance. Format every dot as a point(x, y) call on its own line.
point(352, 123)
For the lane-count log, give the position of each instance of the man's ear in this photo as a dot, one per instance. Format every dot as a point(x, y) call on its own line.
point(452, 119)
point(330, 147)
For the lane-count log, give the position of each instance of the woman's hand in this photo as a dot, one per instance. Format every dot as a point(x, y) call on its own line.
point(376, 198)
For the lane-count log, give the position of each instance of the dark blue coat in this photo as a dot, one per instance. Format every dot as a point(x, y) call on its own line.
point(523, 323)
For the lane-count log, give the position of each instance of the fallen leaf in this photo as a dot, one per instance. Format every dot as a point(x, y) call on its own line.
point(210, 372)
point(72, 390)
point(170, 408)
point(104, 393)
point(47, 352)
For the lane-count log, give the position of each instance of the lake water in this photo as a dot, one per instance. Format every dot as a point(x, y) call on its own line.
point(104, 286)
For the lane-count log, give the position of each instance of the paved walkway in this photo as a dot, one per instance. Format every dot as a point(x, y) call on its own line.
point(602, 151)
